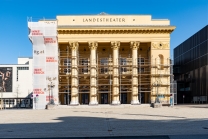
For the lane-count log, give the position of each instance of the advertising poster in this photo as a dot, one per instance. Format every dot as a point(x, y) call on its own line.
point(6, 79)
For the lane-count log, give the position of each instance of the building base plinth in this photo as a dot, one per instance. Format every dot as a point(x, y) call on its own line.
point(51, 107)
point(93, 103)
point(74, 103)
point(116, 102)
point(157, 105)
point(133, 102)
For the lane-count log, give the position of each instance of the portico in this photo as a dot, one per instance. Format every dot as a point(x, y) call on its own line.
point(115, 62)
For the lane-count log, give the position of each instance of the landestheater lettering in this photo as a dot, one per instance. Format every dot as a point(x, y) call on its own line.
point(103, 19)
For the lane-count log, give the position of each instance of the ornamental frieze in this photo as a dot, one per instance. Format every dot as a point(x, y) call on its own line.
point(116, 31)
point(160, 45)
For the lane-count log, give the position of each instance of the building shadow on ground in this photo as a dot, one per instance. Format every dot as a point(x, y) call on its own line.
point(84, 127)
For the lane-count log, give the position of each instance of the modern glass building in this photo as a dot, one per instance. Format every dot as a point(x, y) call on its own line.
point(191, 68)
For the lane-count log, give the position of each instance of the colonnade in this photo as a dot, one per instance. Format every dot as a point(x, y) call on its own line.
point(115, 45)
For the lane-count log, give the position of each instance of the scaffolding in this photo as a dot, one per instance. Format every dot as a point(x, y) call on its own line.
point(149, 71)
point(65, 73)
point(161, 79)
point(144, 74)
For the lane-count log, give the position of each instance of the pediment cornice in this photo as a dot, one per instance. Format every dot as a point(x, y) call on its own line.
point(117, 30)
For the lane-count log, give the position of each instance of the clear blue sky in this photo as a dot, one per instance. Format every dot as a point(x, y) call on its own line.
point(188, 16)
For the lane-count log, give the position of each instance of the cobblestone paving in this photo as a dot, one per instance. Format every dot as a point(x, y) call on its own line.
point(97, 121)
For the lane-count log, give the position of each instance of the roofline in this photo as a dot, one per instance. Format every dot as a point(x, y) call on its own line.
point(106, 15)
point(25, 57)
point(115, 27)
point(15, 64)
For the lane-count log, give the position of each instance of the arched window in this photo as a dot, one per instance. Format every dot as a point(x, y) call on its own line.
point(161, 61)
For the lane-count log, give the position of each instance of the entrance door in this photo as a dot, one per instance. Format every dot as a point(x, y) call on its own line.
point(144, 97)
point(67, 99)
point(85, 99)
point(123, 98)
point(104, 98)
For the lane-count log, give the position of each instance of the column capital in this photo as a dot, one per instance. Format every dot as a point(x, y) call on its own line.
point(115, 44)
point(134, 44)
point(93, 45)
point(74, 45)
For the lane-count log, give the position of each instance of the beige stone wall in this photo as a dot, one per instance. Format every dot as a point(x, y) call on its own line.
point(154, 47)
point(110, 20)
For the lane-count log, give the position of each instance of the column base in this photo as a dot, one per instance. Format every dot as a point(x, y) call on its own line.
point(93, 103)
point(74, 103)
point(135, 102)
point(116, 102)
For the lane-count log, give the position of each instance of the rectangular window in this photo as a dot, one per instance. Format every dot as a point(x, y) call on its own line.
point(141, 70)
point(67, 70)
point(85, 64)
point(123, 61)
point(123, 69)
point(141, 61)
point(104, 70)
point(67, 62)
point(104, 61)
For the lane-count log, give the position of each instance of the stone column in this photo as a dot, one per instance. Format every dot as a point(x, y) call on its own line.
point(134, 99)
point(115, 95)
point(74, 78)
point(93, 73)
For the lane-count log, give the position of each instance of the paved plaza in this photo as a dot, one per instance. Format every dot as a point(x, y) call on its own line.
point(142, 121)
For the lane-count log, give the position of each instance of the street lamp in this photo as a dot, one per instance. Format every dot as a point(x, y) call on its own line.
point(51, 100)
point(1, 88)
point(157, 85)
point(67, 87)
point(67, 73)
point(50, 86)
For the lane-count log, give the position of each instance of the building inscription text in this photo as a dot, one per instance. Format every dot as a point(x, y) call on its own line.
point(104, 20)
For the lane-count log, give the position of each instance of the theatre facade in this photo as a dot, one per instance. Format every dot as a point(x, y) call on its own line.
point(101, 59)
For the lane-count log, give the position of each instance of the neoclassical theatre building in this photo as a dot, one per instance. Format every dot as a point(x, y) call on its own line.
point(101, 59)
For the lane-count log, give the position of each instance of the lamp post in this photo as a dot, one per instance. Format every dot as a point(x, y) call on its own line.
point(1, 96)
point(67, 73)
point(51, 101)
point(36, 100)
point(50, 86)
point(157, 85)
point(67, 87)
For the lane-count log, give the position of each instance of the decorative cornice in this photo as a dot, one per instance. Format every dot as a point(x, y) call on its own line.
point(115, 45)
point(93, 45)
point(160, 45)
point(81, 30)
point(74, 45)
point(134, 45)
